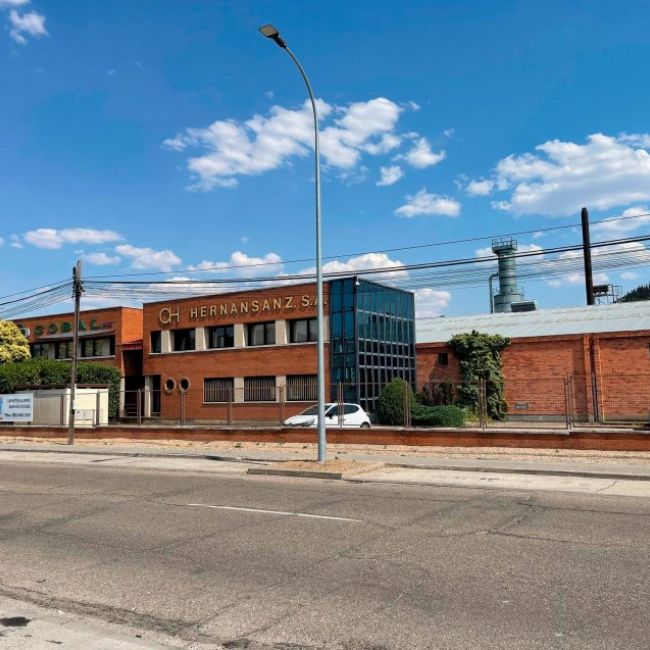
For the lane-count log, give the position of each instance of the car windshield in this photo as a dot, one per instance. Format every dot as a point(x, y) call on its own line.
point(313, 410)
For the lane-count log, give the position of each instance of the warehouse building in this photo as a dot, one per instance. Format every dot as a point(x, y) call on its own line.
point(600, 354)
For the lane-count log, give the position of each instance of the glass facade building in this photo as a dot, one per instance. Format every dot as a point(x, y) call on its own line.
point(372, 335)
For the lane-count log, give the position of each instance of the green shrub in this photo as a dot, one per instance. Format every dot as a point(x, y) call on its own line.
point(390, 406)
point(437, 416)
point(49, 372)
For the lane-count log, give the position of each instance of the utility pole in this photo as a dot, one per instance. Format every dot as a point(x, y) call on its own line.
point(77, 289)
point(586, 251)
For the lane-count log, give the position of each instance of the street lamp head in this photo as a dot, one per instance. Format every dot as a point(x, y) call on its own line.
point(271, 32)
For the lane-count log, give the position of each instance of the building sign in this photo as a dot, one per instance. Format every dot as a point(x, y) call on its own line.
point(231, 309)
point(17, 407)
point(54, 329)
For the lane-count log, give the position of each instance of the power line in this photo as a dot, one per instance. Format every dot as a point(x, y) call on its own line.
point(193, 269)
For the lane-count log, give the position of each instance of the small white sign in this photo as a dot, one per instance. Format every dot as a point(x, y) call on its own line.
point(17, 407)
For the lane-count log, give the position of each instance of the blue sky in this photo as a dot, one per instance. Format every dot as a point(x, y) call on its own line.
point(169, 135)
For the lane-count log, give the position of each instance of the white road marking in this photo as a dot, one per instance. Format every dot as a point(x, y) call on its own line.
point(273, 512)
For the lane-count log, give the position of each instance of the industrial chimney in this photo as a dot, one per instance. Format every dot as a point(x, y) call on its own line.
point(509, 292)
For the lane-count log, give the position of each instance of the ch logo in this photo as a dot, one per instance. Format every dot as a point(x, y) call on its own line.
point(169, 315)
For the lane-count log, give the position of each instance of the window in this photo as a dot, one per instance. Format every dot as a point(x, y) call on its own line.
point(221, 337)
point(87, 348)
point(259, 389)
point(156, 341)
point(302, 388)
point(349, 409)
point(183, 340)
point(443, 358)
point(63, 350)
point(261, 333)
point(39, 350)
point(304, 330)
point(218, 389)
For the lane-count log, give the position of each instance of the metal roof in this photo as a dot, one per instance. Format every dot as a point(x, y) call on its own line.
point(619, 317)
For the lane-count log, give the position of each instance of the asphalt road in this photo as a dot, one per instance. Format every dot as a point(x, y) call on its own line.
point(258, 562)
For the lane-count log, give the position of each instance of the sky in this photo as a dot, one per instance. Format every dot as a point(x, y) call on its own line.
point(170, 137)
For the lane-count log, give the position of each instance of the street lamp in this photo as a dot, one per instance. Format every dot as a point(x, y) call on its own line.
point(271, 32)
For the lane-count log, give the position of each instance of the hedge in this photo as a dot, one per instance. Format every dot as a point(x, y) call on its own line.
point(390, 405)
point(49, 372)
point(437, 416)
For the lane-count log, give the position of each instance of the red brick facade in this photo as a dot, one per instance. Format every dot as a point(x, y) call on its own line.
point(608, 374)
point(277, 304)
point(122, 323)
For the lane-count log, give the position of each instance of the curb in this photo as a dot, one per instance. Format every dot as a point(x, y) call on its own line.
point(300, 473)
point(341, 475)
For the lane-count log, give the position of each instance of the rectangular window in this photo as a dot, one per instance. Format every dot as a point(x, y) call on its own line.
point(302, 388)
point(156, 341)
point(100, 348)
point(39, 350)
point(261, 333)
point(183, 340)
point(87, 348)
point(63, 350)
point(304, 330)
point(218, 389)
point(259, 389)
point(443, 358)
point(221, 337)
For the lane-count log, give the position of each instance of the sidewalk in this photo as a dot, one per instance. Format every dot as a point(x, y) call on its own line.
point(567, 463)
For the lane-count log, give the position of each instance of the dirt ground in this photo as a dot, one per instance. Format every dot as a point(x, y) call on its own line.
point(398, 451)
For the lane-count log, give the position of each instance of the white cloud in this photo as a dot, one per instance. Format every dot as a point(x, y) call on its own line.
point(2, 241)
point(423, 203)
point(561, 177)
point(634, 253)
point(231, 148)
point(355, 265)
point(147, 258)
point(480, 188)
point(430, 302)
point(31, 24)
point(15, 242)
point(389, 175)
point(449, 133)
point(626, 222)
point(102, 259)
point(244, 266)
point(421, 156)
point(629, 275)
point(51, 238)
point(12, 3)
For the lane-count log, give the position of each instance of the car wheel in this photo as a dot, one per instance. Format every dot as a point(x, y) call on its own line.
point(365, 425)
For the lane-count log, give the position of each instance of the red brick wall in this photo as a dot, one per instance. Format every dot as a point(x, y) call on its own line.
point(289, 302)
point(535, 370)
point(124, 323)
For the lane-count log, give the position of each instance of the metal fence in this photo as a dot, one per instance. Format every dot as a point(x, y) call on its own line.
point(544, 403)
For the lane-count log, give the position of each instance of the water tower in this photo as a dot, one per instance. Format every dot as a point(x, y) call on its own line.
point(509, 292)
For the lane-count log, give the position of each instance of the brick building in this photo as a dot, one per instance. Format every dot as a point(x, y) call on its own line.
point(252, 354)
point(111, 336)
point(594, 361)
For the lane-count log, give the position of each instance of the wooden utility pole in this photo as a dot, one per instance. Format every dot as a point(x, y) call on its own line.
point(77, 289)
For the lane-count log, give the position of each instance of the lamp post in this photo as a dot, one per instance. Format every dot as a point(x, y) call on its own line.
point(271, 32)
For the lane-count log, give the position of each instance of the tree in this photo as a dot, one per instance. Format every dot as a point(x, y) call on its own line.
point(390, 406)
point(13, 344)
point(480, 359)
point(642, 292)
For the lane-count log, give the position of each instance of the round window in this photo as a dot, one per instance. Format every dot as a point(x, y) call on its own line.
point(184, 384)
point(170, 384)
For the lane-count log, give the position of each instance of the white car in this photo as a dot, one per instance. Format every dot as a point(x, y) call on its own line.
point(352, 414)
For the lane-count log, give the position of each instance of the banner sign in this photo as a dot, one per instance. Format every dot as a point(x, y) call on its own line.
point(17, 407)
